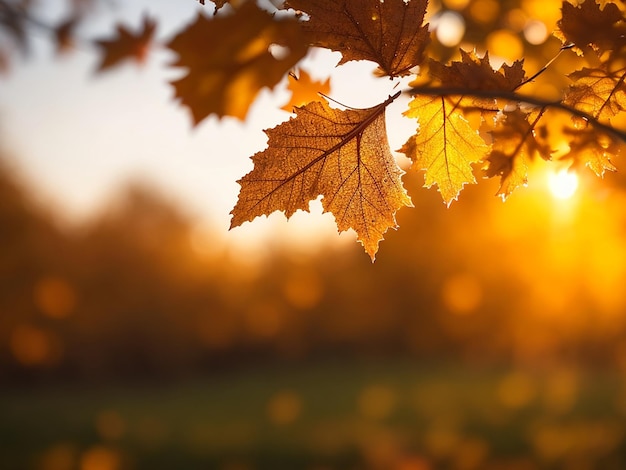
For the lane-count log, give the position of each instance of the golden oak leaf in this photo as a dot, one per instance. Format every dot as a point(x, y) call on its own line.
point(389, 33)
point(598, 92)
point(342, 155)
point(229, 59)
point(304, 90)
point(514, 145)
point(591, 149)
point(126, 45)
point(589, 25)
point(476, 73)
point(445, 145)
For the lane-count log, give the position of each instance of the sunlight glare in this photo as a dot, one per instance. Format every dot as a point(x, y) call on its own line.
point(563, 184)
point(450, 28)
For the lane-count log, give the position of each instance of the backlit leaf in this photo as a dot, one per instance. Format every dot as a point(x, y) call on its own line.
point(389, 33)
point(591, 149)
point(514, 146)
point(445, 145)
point(342, 155)
point(600, 93)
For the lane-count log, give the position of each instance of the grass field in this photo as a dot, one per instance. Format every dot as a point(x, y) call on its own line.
point(382, 415)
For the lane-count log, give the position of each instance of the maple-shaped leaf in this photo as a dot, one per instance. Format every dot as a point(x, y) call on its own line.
point(342, 155)
point(476, 73)
point(389, 33)
point(126, 45)
point(598, 92)
point(229, 60)
point(591, 149)
point(514, 146)
point(445, 145)
point(590, 25)
point(304, 90)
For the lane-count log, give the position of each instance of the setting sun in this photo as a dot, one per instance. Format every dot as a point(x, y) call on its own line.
point(563, 184)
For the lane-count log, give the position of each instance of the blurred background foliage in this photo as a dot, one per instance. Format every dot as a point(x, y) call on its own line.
point(485, 336)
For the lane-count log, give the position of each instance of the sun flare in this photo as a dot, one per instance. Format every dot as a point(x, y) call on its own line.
point(563, 184)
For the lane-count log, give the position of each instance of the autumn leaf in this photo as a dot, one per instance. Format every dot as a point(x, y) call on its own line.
point(474, 73)
point(228, 59)
point(599, 93)
point(514, 146)
point(342, 155)
point(304, 90)
point(590, 25)
point(389, 33)
point(445, 145)
point(589, 148)
point(126, 45)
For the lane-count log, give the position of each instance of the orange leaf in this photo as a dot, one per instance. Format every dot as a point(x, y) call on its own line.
point(343, 156)
point(598, 92)
point(304, 90)
point(126, 45)
point(445, 145)
point(229, 60)
point(389, 33)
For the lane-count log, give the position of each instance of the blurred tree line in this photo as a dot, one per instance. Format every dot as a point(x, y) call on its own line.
point(128, 295)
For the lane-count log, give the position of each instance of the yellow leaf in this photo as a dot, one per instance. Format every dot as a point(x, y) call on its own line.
point(342, 155)
point(445, 145)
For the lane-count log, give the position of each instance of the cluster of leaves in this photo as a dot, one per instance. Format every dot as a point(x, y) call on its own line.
point(470, 118)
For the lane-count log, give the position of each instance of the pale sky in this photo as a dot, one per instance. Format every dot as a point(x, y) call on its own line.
point(80, 137)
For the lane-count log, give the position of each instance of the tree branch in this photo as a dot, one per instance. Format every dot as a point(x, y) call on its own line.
point(520, 98)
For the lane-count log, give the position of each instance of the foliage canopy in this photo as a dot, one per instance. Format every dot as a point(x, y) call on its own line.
point(475, 114)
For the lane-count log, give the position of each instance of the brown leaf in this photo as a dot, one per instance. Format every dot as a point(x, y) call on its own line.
point(126, 45)
point(589, 25)
point(474, 73)
point(514, 146)
point(304, 90)
point(389, 33)
point(343, 156)
point(228, 59)
point(445, 145)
